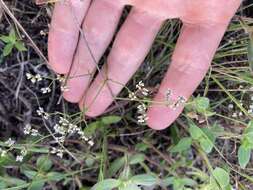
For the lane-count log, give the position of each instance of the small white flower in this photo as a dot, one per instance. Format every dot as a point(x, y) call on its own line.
point(33, 78)
point(91, 143)
point(234, 115)
point(60, 153)
point(59, 129)
point(60, 78)
point(34, 132)
point(38, 77)
point(230, 106)
point(40, 111)
point(240, 113)
point(10, 142)
point(64, 89)
point(27, 129)
point(132, 96)
point(23, 152)
point(19, 158)
point(29, 76)
point(45, 90)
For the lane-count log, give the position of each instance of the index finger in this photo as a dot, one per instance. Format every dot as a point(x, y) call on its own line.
point(67, 18)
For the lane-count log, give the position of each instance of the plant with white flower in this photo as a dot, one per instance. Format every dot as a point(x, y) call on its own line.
point(132, 96)
point(58, 152)
point(27, 129)
point(10, 142)
point(141, 109)
point(60, 78)
point(141, 87)
point(33, 78)
point(59, 129)
point(64, 88)
point(19, 158)
point(42, 113)
point(34, 132)
point(45, 90)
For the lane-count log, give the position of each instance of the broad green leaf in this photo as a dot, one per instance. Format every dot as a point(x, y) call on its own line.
point(37, 185)
point(167, 181)
point(195, 132)
point(201, 104)
point(222, 177)
point(107, 184)
point(89, 161)
point(5, 39)
point(183, 145)
point(12, 36)
point(115, 166)
point(44, 163)
point(206, 144)
point(144, 179)
point(141, 147)
point(30, 173)
point(90, 130)
point(20, 46)
point(55, 176)
point(7, 49)
point(243, 156)
point(11, 181)
point(136, 159)
point(108, 120)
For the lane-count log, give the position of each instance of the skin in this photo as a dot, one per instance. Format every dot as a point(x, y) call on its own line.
point(204, 24)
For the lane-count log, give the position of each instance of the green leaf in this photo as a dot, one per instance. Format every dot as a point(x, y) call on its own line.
point(2, 185)
point(5, 39)
point(183, 145)
point(55, 176)
point(115, 166)
point(222, 177)
point(195, 132)
point(30, 173)
point(144, 179)
point(107, 184)
point(201, 104)
point(108, 120)
point(243, 156)
point(37, 185)
point(206, 144)
point(90, 130)
point(20, 46)
point(136, 159)
point(44, 163)
point(130, 187)
point(7, 49)
point(12, 36)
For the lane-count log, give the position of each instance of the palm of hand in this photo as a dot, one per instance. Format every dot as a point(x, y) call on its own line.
point(204, 25)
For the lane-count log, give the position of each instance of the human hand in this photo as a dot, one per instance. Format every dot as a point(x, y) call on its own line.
point(204, 25)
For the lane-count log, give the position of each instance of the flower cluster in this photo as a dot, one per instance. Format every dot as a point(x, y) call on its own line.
point(64, 128)
point(23, 153)
point(42, 113)
point(33, 78)
point(29, 131)
point(142, 117)
point(45, 90)
point(58, 152)
point(140, 87)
